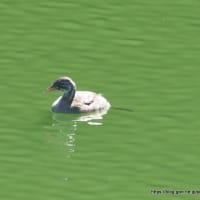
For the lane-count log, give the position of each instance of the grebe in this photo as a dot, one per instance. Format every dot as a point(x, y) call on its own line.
point(73, 101)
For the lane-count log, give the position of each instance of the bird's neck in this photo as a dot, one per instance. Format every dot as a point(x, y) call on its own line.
point(68, 96)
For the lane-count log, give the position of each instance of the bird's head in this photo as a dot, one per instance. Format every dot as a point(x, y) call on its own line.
point(64, 84)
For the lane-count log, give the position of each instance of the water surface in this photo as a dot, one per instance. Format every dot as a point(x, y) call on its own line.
point(143, 56)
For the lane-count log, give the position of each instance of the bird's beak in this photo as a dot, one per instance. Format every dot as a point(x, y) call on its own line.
point(49, 89)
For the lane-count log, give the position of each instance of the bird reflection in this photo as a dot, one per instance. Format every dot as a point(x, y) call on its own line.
point(67, 125)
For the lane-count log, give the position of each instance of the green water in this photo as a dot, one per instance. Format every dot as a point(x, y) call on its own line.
point(143, 56)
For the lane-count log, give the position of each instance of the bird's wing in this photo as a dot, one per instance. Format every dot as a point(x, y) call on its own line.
point(85, 97)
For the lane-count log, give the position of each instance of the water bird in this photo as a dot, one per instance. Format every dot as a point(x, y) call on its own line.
point(73, 101)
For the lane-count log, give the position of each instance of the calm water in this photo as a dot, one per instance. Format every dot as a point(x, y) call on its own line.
point(143, 56)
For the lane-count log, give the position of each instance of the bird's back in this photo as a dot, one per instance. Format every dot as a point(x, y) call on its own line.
point(87, 101)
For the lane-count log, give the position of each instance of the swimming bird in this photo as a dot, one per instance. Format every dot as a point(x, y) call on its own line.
point(73, 101)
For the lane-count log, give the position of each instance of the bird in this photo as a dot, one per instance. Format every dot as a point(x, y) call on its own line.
point(73, 101)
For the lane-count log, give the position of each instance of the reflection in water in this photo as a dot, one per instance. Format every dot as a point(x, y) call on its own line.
point(93, 118)
point(65, 133)
point(67, 124)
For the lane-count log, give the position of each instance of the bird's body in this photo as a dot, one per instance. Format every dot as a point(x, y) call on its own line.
point(83, 101)
point(73, 101)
